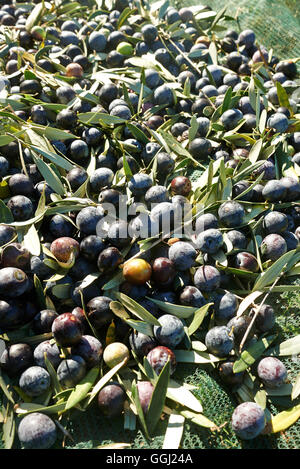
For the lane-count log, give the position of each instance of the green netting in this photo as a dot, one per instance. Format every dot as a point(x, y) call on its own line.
point(276, 22)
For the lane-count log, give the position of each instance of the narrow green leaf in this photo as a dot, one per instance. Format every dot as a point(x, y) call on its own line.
point(81, 389)
point(198, 346)
point(50, 176)
point(140, 326)
point(54, 158)
point(40, 295)
point(287, 347)
point(262, 121)
point(283, 97)
point(174, 432)
point(32, 241)
point(137, 133)
point(249, 356)
point(283, 264)
point(52, 133)
point(247, 302)
point(158, 398)
point(199, 315)
point(283, 390)
point(191, 356)
point(5, 213)
point(54, 379)
point(125, 15)
point(119, 310)
point(129, 418)
point(103, 381)
point(28, 408)
point(136, 309)
point(97, 117)
point(212, 50)
point(178, 310)
point(227, 100)
point(296, 388)
point(149, 371)
point(260, 398)
point(255, 151)
point(5, 390)
point(283, 420)
point(114, 282)
point(35, 16)
point(198, 419)
point(193, 128)
point(183, 396)
point(140, 413)
point(9, 427)
point(126, 168)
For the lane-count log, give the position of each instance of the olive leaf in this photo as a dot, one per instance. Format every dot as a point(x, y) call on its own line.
point(251, 354)
point(199, 315)
point(283, 97)
point(136, 309)
point(5, 390)
point(191, 356)
point(5, 213)
point(177, 310)
point(247, 302)
point(283, 420)
point(260, 398)
point(32, 241)
point(180, 394)
point(278, 268)
point(158, 397)
point(255, 151)
point(35, 16)
point(227, 100)
point(296, 388)
point(89, 279)
point(103, 381)
point(40, 295)
point(129, 417)
point(54, 158)
point(198, 346)
point(119, 310)
point(174, 431)
point(96, 117)
point(287, 347)
point(140, 413)
point(81, 389)
point(198, 419)
point(9, 427)
point(28, 408)
point(140, 326)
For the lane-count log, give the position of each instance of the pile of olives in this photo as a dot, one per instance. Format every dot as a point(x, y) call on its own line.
point(142, 111)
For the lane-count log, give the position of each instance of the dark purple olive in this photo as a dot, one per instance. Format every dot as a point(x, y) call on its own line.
point(67, 330)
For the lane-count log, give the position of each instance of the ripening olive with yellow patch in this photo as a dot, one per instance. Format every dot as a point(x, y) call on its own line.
point(137, 271)
point(63, 247)
point(125, 48)
point(115, 353)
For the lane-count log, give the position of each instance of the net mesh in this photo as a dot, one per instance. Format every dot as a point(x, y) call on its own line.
point(276, 22)
point(277, 25)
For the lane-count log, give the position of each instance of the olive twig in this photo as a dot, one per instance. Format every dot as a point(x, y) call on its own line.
point(256, 313)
